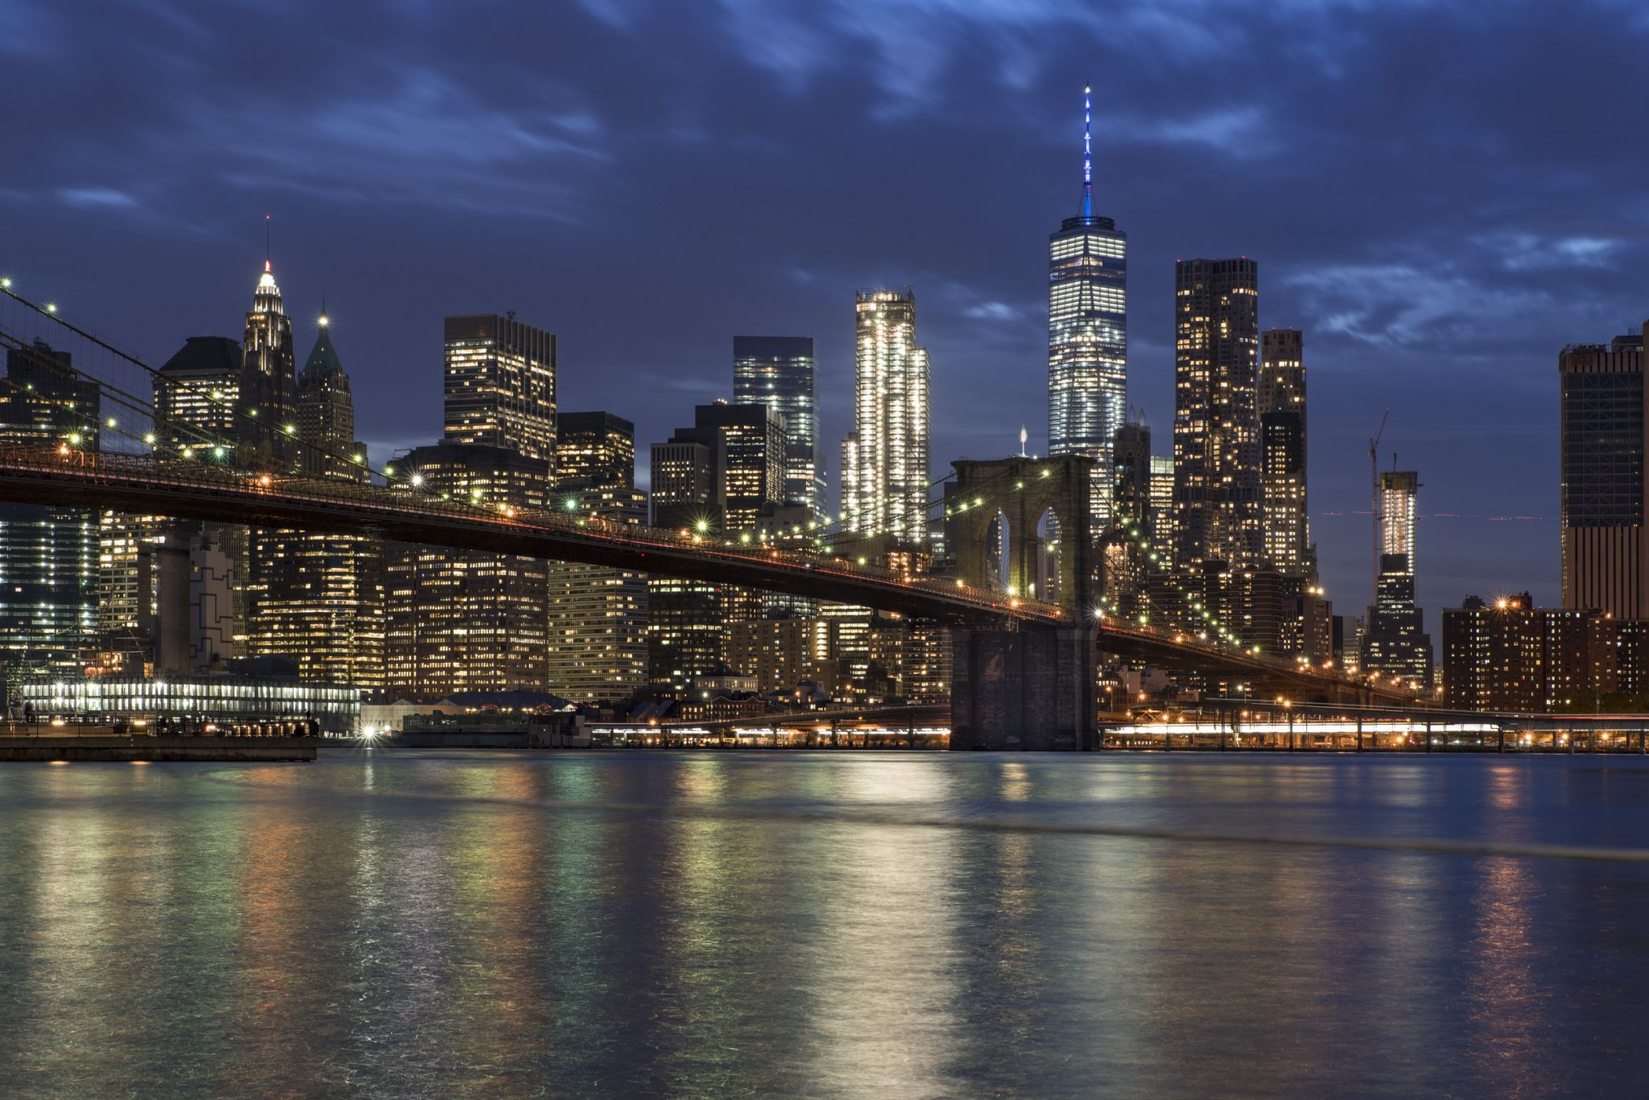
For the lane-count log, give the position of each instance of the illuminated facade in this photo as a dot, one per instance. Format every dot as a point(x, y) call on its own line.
point(316, 596)
point(885, 474)
point(1162, 508)
point(749, 445)
point(597, 639)
point(465, 620)
point(1283, 455)
point(125, 590)
point(683, 477)
point(1509, 655)
point(48, 554)
point(1088, 335)
point(197, 700)
point(778, 371)
point(266, 401)
point(500, 385)
point(1217, 504)
point(1395, 642)
point(717, 478)
point(782, 653)
point(594, 450)
point(1605, 477)
point(196, 392)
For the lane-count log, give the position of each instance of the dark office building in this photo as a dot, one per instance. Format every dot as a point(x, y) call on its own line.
point(1603, 473)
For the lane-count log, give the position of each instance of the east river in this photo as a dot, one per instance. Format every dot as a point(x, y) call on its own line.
point(830, 924)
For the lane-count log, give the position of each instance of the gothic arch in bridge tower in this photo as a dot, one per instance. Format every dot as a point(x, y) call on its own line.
point(1047, 552)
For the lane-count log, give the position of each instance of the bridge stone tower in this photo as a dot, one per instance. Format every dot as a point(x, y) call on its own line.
point(1020, 686)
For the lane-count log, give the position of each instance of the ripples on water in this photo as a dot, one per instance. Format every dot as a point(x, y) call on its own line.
point(425, 925)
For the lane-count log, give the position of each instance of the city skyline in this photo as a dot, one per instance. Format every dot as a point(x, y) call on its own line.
point(1394, 326)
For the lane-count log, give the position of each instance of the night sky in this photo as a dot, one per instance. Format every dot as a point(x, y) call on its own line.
point(1440, 195)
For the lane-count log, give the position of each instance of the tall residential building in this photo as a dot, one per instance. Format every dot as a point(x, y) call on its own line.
point(48, 554)
point(266, 404)
point(1605, 477)
point(500, 384)
point(1088, 334)
point(318, 597)
point(1395, 642)
point(1217, 506)
point(777, 371)
point(466, 620)
point(885, 473)
point(594, 450)
point(1283, 454)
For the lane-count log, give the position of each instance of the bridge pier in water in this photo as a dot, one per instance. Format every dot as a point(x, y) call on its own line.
point(1024, 686)
point(1023, 689)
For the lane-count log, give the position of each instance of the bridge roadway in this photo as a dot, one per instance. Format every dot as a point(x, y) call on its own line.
point(71, 477)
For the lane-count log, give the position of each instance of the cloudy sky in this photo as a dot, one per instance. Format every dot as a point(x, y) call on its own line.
point(1440, 195)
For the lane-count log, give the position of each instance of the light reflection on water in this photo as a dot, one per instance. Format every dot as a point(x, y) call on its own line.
point(424, 925)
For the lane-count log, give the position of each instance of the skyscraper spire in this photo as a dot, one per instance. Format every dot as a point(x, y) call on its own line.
point(1087, 152)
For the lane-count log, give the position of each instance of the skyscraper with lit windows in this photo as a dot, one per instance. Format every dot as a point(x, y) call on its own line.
point(597, 641)
point(48, 554)
point(1283, 454)
point(1218, 513)
point(1395, 642)
point(777, 371)
point(1088, 334)
point(318, 596)
point(499, 386)
point(885, 473)
point(267, 398)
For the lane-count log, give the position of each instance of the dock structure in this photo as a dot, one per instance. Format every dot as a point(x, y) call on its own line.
point(49, 743)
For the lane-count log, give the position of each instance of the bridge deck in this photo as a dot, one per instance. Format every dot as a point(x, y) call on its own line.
point(71, 477)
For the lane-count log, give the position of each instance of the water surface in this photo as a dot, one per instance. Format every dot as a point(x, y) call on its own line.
point(444, 925)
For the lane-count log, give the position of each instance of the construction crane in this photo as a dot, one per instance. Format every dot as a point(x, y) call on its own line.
point(1374, 488)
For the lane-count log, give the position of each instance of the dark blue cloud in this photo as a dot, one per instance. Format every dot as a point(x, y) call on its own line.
point(1441, 195)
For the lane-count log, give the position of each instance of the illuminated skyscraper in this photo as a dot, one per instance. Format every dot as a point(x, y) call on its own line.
point(1162, 508)
point(1605, 477)
point(594, 450)
point(597, 640)
point(1217, 506)
point(500, 384)
point(266, 400)
point(48, 554)
point(715, 478)
point(885, 474)
point(777, 371)
point(1283, 455)
point(317, 597)
point(1088, 334)
point(1395, 642)
point(466, 620)
point(196, 393)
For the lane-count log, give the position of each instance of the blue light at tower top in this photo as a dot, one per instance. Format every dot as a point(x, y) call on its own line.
point(1087, 152)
